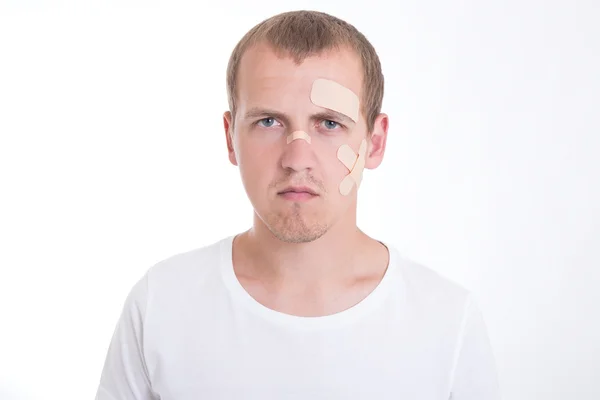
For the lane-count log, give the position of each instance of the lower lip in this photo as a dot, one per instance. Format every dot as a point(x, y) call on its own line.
point(297, 196)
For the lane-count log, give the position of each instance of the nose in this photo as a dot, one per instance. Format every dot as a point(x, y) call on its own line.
point(297, 153)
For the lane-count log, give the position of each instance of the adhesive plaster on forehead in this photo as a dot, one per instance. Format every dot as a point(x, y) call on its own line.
point(329, 94)
point(355, 164)
point(298, 135)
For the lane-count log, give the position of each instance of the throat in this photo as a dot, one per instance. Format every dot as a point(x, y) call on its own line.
point(291, 280)
point(310, 301)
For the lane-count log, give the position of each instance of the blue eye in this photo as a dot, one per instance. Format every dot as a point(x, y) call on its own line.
point(329, 124)
point(267, 122)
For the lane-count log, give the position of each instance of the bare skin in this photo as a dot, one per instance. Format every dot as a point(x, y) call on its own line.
point(301, 257)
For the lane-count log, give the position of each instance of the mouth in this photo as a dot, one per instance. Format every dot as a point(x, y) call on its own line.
point(298, 193)
point(298, 189)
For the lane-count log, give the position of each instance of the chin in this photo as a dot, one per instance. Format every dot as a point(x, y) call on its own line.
point(294, 226)
point(297, 236)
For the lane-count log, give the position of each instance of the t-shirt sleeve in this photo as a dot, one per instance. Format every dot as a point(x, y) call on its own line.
point(475, 374)
point(125, 376)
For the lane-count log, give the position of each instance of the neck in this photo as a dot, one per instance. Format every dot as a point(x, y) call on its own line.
point(336, 256)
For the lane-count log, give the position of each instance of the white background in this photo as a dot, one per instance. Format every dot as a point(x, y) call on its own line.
point(113, 157)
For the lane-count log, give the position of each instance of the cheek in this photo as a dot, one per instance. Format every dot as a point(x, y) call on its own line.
point(246, 152)
point(336, 171)
point(256, 166)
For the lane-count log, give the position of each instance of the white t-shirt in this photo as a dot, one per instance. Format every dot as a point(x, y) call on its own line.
point(190, 331)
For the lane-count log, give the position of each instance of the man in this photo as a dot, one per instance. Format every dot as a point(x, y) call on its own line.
point(303, 305)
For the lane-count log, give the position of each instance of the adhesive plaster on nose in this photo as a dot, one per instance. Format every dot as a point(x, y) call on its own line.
point(298, 135)
point(330, 94)
point(355, 164)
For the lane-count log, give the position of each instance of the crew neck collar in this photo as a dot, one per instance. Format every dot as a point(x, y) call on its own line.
point(364, 307)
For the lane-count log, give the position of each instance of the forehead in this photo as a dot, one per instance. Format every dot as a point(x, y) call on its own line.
point(265, 76)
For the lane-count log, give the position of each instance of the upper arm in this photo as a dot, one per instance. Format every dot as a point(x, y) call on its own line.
point(125, 376)
point(474, 375)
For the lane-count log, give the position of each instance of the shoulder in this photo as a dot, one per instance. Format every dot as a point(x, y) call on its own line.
point(427, 280)
point(429, 290)
point(181, 270)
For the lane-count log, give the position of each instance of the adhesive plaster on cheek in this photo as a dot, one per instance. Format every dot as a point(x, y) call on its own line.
point(330, 94)
point(298, 135)
point(355, 164)
point(347, 156)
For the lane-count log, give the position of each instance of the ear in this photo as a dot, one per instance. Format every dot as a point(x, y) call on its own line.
point(228, 124)
point(377, 142)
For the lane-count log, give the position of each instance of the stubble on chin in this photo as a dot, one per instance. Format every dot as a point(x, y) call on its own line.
point(295, 225)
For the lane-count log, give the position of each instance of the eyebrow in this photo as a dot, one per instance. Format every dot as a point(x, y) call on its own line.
point(258, 112)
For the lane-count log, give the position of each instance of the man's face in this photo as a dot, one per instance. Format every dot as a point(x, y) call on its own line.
point(273, 101)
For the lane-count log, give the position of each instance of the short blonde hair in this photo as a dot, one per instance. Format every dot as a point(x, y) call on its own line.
point(300, 34)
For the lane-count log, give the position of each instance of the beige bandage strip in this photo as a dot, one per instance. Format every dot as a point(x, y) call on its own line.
point(354, 163)
point(330, 94)
point(298, 135)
